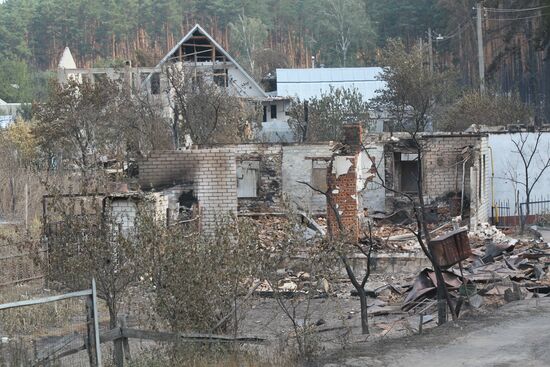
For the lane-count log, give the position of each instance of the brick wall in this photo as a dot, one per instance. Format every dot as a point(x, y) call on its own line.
point(124, 212)
point(269, 188)
point(441, 155)
point(343, 196)
point(212, 173)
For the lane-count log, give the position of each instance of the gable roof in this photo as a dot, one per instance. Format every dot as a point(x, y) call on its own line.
point(67, 60)
point(198, 29)
point(309, 83)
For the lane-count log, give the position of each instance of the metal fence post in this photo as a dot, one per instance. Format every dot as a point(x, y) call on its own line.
point(90, 338)
point(96, 324)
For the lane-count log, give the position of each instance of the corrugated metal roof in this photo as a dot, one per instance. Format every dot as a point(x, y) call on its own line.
point(308, 83)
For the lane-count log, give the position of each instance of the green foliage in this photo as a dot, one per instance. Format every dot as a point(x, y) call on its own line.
point(409, 19)
point(15, 82)
point(327, 114)
point(489, 109)
point(36, 31)
point(413, 91)
point(248, 35)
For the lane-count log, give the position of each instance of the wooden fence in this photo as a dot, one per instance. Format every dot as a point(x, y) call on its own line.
point(17, 266)
point(92, 320)
point(121, 334)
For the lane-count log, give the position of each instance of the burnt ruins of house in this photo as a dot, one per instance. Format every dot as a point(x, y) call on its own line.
point(455, 170)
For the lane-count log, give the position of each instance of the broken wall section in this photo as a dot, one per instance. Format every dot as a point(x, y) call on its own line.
point(212, 173)
point(259, 177)
point(452, 164)
point(306, 163)
point(344, 183)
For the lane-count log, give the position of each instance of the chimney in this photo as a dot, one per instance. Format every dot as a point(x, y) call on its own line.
point(352, 137)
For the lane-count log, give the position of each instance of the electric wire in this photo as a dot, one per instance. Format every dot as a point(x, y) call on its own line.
point(520, 18)
point(498, 10)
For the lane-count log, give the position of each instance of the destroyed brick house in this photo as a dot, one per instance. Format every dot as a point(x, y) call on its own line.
point(208, 182)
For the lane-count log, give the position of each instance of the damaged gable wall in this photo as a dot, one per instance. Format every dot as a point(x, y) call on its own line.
point(213, 174)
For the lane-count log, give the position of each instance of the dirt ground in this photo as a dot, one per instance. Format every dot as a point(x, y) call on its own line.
point(516, 334)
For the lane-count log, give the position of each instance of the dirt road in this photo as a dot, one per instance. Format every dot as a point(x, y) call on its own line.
point(517, 334)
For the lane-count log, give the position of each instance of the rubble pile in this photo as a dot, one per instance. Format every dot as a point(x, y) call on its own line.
point(502, 267)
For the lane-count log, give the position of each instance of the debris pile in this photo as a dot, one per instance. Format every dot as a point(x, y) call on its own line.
point(507, 268)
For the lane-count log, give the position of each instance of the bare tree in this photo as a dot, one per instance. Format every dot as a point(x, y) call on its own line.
point(206, 111)
point(534, 161)
point(411, 96)
point(248, 36)
point(342, 245)
point(198, 278)
point(83, 123)
point(339, 13)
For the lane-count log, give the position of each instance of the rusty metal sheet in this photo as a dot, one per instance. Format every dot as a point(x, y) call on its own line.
point(450, 248)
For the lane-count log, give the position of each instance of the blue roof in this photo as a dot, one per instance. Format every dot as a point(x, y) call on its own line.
point(308, 83)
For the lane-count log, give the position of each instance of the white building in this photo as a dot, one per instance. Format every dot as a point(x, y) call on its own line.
point(8, 112)
point(313, 83)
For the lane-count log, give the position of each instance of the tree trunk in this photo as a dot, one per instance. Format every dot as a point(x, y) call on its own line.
point(364, 314)
point(527, 211)
point(441, 297)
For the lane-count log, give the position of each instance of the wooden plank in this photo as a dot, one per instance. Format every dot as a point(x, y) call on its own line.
point(177, 337)
point(39, 301)
point(125, 343)
point(110, 335)
point(23, 280)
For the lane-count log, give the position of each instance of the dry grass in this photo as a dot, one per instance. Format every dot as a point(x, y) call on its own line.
point(213, 356)
point(39, 320)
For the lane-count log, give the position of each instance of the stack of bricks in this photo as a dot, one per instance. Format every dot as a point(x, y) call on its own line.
point(213, 173)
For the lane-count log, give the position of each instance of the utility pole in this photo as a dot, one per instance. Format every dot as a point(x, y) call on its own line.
point(431, 50)
point(480, 54)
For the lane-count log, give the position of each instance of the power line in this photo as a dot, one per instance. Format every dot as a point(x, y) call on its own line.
point(520, 18)
point(498, 10)
point(463, 27)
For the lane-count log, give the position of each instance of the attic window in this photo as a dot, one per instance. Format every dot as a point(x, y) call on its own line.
point(198, 48)
point(247, 179)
